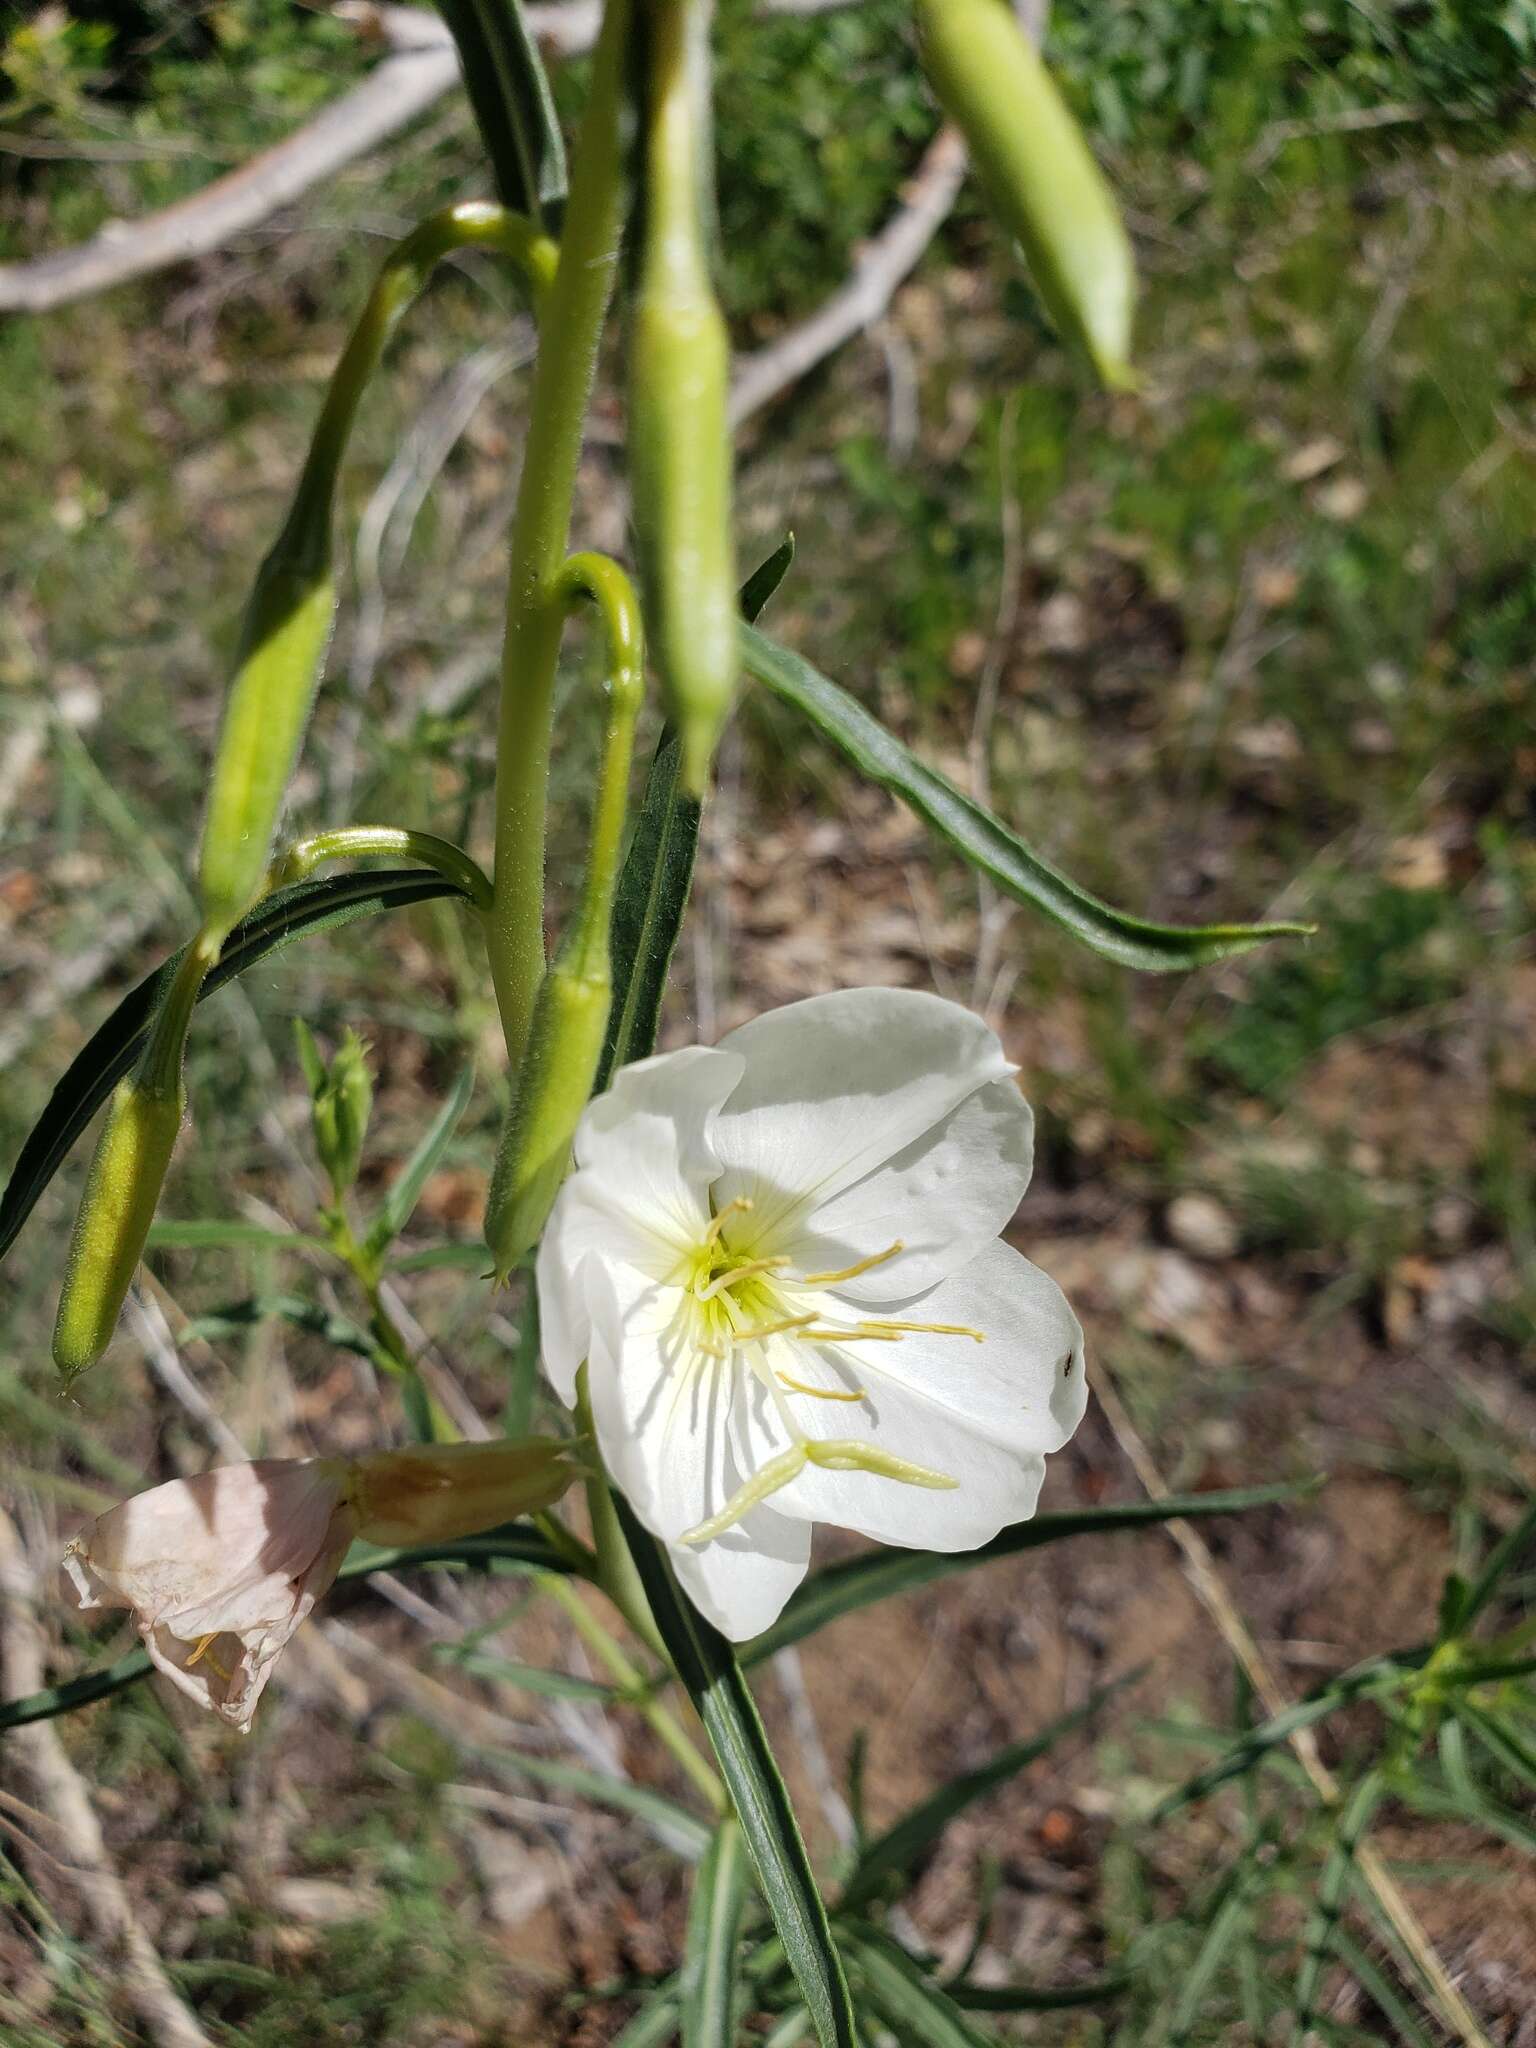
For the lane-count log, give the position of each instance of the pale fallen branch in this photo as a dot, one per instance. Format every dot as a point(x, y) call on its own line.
point(420, 69)
point(880, 267)
point(121, 1939)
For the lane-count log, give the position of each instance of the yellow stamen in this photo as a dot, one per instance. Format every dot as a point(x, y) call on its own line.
point(884, 1323)
point(885, 1330)
point(769, 1329)
point(204, 1650)
point(819, 1393)
point(722, 1281)
point(849, 1455)
point(777, 1473)
point(852, 1272)
point(738, 1206)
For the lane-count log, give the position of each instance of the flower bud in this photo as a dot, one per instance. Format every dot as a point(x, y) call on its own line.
point(1038, 172)
point(434, 1493)
point(341, 1102)
point(679, 386)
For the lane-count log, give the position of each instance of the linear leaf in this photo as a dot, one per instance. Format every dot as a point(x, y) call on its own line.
point(904, 1842)
point(517, 1543)
point(652, 893)
point(984, 840)
point(234, 1316)
point(165, 1234)
point(652, 2026)
point(1222, 1927)
point(905, 1997)
point(1495, 1565)
point(1383, 1675)
point(1333, 1891)
point(1500, 1741)
point(707, 1666)
point(512, 103)
point(714, 1928)
point(1374, 1981)
point(558, 1685)
point(878, 1574)
point(405, 1191)
point(674, 1825)
point(1035, 1997)
point(96, 1069)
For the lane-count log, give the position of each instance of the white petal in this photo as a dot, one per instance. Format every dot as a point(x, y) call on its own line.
point(640, 1195)
point(664, 1425)
point(838, 1084)
point(982, 1414)
point(945, 1196)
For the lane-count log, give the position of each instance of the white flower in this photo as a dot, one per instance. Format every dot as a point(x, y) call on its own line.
point(220, 1570)
point(780, 1257)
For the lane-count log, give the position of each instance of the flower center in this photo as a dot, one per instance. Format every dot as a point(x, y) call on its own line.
point(741, 1297)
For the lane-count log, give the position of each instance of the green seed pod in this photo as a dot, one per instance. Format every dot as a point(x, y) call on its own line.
point(116, 1210)
point(283, 640)
point(1038, 171)
point(679, 387)
point(565, 1043)
point(127, 1171)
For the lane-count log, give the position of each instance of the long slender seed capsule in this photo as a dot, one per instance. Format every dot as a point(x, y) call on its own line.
point(570, 1012)
point(287, 623)
point(1038, 172)
point(679, 381)
point(123, 1182)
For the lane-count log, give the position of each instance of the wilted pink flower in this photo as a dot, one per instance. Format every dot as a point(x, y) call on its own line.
point(220, 1570)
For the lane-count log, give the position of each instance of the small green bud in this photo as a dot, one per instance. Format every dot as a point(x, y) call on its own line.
point(341, 1102)
point(1038, 172)
point(117, 1207)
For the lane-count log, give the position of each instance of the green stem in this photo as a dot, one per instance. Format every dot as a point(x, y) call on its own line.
point(569, 332)
point(616, 1572)
point(631, 1681)
point(355, 842)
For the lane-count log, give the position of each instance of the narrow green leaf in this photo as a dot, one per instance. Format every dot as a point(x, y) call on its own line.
point(1496, 1564)
point(235, 1316)
point(171, 1236)
point(1374, 1981)
point(985, 841)
point(879, 1574)
point(289, 914)
point(714, 1929)
point(765, 579)
point(1036, 1998)
point(1333, 1891)
point(1500, 1741)
point(790, 2031)
point(399, 1204)
point(1230, 1910)
point(433, 1258)
point(518, 1543)
point(707, 1667)
point(556, 1685)
point(903, 1843)
point(906, 1998)
point(652, 2026)
point(512, 103)
point(680, 1830)
point(1377, 1676)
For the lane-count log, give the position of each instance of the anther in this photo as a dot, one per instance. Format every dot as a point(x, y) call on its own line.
point(820, 1393)
point(737, 1206)
point(852, 1272)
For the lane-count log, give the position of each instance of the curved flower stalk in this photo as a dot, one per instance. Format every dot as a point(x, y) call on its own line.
point(780, 1258)
point(219, 1571)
